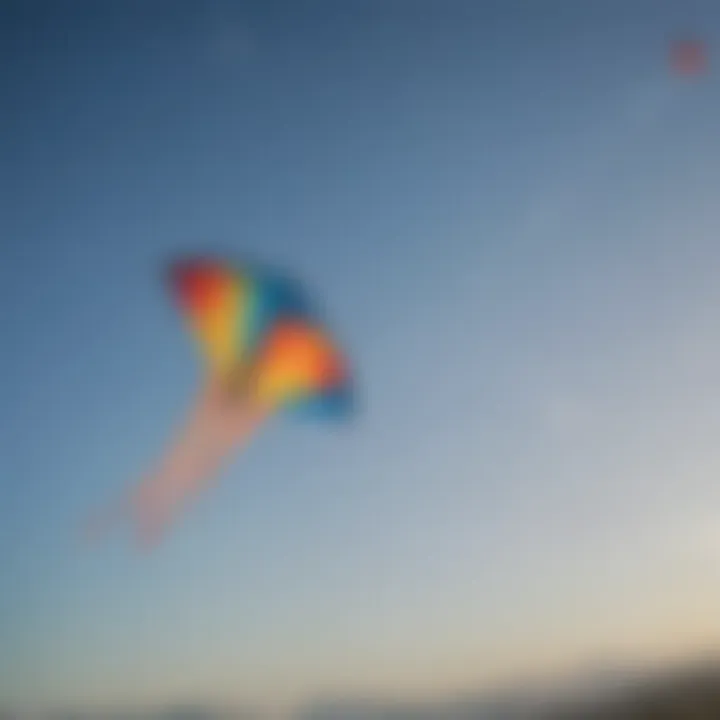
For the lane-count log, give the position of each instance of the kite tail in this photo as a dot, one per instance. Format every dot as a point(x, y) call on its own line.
point(215, 428)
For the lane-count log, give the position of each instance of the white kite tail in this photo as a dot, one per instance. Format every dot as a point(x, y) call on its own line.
point(217, 425)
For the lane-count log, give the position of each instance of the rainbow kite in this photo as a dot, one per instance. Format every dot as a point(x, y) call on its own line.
point(265, 351)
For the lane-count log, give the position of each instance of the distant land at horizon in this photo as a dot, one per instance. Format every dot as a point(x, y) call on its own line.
point(687, 690)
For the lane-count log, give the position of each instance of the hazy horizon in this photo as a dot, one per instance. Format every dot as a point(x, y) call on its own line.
point(508, 211)
point(593, 686)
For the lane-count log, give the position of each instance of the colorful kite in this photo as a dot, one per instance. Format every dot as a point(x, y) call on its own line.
point(265, 351)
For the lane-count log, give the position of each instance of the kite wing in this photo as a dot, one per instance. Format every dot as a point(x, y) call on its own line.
point(230, 308)
point(215, 300)
point(300, 368)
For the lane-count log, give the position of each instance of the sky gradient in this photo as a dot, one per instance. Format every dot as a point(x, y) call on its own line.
point(509, 211)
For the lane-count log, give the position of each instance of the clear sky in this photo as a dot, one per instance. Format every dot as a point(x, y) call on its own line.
point(510, 212)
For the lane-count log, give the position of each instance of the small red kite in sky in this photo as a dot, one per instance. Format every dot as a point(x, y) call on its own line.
point(688, 57)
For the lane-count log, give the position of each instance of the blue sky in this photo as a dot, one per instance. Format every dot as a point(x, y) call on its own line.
point(510, 213)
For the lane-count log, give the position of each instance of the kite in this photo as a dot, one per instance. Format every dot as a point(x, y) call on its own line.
point(265, 352)
point(688, 57)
